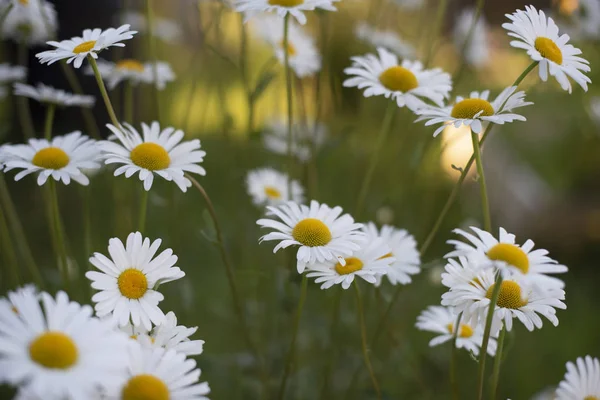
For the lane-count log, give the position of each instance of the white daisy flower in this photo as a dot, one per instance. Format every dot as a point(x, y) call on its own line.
point(76, 49)
point(58, 351)
point(516, 299)
point(409, 4)
point(369, 262)
point(158, 152)
point(295, 8)
point(171, 336)
point(539, 36)
point(164, 29)
point(322, 233)
point(477, 52)
point(49, 95)
point(304, 58)
point(62, 158)
point(582, 380)
point(408, 84)
point(134, 71)
point(389, 40)
point(487, 251)
point(475, 110)
point(31, 22)
point(275, 138)
point(127, 280)
point(457, 272)
point(585, 20)
point(441, 320)
point(267, 186)
point(14, 297)
point(156, 373)
point(11, 73)
point(403, 247)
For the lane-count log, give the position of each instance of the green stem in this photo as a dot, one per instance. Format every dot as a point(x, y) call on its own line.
point(89, 120)
point(439, 21)
point(289, 88)
point(102, 87)
point(243, 62)
point(485, 203)
point(152, 52)
point(289, 360)
point(363, 334)
point(128, 100)
point(497, 363)
point(143, 210)
point(468, 38)
point(453, 367)
point(87, 227)
point(333, 341)
point(49, 120)
point(58, 234)
point(486, 336)
point(23, 111)
point(9, 251)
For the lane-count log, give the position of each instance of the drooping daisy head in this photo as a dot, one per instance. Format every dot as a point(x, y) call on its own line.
point(304, 138)
point(57, 349)
point(295, 8)
point(134, 71)
point(157, 151)
point(267, 186)
point(476, 110)
point(442, 320)
point(322, 234)
point(503, 253)
point(539, 36)
point(407, 83)
point(582, 380)
point(403, 247)
point(30, 22)
point(126, 281)
point(49, 95)
point(372, 260)
point(477, 51)
point(63, 158)
point(76, 49)
point(389, 40)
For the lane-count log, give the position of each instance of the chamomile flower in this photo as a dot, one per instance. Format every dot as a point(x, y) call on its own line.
point(134, 71)
point(407, 83)
point(369, 262)
point(58, 350)
point(475, 110)
point(477, 52)
point(11, 73)
point(403, 247)
point(389, 40)
point(49, 95)
point(322, 233)
point(267, 186)
point(171, 336)
point(487, 251)
point(127, 280)
point(304, 138)
point(539, 36)
point(582, 380)
point(457, 272)
point(30, 22)
point(165, 29)
point(13, 297)
point(76, 49)
point(158, 151)
point(441, 320)
point(63, 158)
point(295, 8)
point(516, 299)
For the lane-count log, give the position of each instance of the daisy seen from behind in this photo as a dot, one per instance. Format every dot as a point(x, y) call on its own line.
point(476, 110)
point(165, 29)
point(582, 380)
point(133, 71)
point(29, 22)
point(407, 83)
point(441, 320)
point(48, 95)
point(295, 8)
point(304, 138)
point(322, 234)
point(267, 186)
point(63, 158)
point(57, 349)
point(126, 281)
point(156, 151)
point(539, 36)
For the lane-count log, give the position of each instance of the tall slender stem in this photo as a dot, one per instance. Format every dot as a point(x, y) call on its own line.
point(485, 203)
point(243, 61)
point(9, 251)
point(335, 319)
point(364, 343)
point(49, 120)
point(289, 88)
point(91, 125)
point(437, 27)
point(486, 336)
point(58, 234)
point(23, 111)
point(128, 102)
point(87, 226)
point(152, 53)
point(467, 42)
point(453, 367)
point(289, 359)
point(143, 210)
point(102, 87)
point(497, 364)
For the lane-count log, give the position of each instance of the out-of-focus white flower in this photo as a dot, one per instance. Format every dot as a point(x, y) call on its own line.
point(584, 21)
point(477, 52)
point(409, 4)
point(595, 108)
point(389, 40)
point(165, 29)
point(275, 138)
point(29, 21)
point(133, 71)
point(10, 73)
point(295, 8)
point(49, 95)
point(270, 187)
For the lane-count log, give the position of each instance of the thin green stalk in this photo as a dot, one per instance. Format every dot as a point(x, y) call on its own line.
point(289, 88)
point(8, 250)
point(128, 102)
point(497, 364)
point(437, 27)
point(152, 53)
point(243, 62)
point(87, 226)
point(468, 38)
point(143, 210)
point(486, 336)
point(333, 341)
point(102, 87)
point(91, 125)
point(363, 334)
point(485, 203)
point(63, 266)
point(376, 155)
point(23, 111)
point(289, 360)
point(49, 120)
point(453, 368)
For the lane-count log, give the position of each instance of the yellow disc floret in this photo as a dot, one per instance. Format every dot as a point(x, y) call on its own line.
point(24, 2)
point(132, 283)
point(50, 158)
point(272, 193)
point(145, 387)
point(286, 3)
point(311, 232)
point(291, 50)
point(465, 330)
point(549, 50)
point(398, 79)
point(53, 350)
point(510, 254)
point(150, 156)
point(509, 296)
point(130, 65)
point(84, 47)
point(591, 398)
point(469, 108)
point(353, 264)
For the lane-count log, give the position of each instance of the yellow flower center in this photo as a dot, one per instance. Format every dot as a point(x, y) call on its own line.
point(145, 387)
point(398, 79)
point(548, 49)
point(468, 108)
point(286, 3)
point(510, 254)
point(353, 264)
point(290, 48)
point(150, 156)
point(272, 192)
point(132, 283)
point(24, 2)
point(84, 47)
point(388, 255)
point(51, 158)
point(311, 232)
point(509, 296)
point(590, 398)
point(465, 330)
point(130, 65)
point(53, 350)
